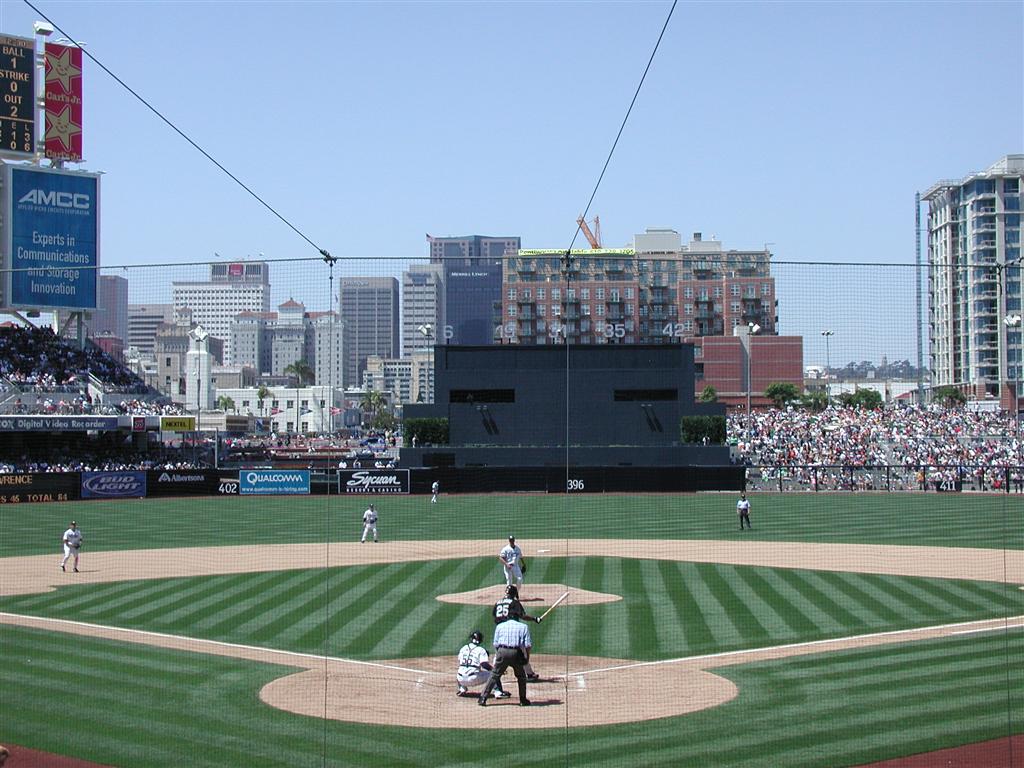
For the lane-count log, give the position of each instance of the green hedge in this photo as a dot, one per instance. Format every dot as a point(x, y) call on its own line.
point(426, 431)
point(693, 429)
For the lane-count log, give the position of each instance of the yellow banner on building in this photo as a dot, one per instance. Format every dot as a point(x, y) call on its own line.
point(178, 423)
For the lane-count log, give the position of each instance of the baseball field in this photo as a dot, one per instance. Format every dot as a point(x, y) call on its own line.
point(842, 630)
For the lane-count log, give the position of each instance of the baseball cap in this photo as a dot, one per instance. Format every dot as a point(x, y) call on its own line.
point(511, 538)
point(74, 523)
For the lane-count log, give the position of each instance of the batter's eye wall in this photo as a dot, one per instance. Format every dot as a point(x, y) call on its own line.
point(523, 395)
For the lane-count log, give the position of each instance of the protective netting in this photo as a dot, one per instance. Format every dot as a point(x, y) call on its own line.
point(237, 599)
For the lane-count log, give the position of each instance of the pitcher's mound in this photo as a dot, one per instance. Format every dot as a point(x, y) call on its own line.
point(531, 595)
point(573, 691)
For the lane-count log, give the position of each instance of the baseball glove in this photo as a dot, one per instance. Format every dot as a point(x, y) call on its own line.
point(522, 567)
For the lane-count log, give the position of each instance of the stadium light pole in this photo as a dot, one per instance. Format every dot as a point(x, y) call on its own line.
point(1011, 322)
point(427, 330)
point(752, 330)
point(828, 334)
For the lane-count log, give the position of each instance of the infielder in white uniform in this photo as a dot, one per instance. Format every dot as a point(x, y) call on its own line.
point(474, 669)
point(511, 557)
point(72, 541)
point(369, 523)
point(434, 489)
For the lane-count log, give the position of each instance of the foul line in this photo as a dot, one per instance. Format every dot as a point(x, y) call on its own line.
point(817, 643)
point(963, 627)
point(203, 641)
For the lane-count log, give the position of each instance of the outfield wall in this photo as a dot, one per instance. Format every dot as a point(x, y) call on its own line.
point(42, 487)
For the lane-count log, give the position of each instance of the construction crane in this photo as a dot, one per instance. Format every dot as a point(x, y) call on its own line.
point(593, 236)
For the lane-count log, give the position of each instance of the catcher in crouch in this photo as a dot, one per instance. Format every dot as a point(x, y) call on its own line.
point(474, 669)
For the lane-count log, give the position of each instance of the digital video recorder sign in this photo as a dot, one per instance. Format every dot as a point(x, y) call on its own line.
point(52, 237)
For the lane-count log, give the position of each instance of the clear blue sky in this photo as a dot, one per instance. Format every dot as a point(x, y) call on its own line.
point(805, 125)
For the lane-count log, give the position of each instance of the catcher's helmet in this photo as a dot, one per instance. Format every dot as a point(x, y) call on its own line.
point(477, 637)
point(512, 591)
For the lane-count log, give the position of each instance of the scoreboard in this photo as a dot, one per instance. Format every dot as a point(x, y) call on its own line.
point(18, 91)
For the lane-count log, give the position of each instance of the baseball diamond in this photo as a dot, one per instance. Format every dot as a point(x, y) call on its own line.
point(843, 651)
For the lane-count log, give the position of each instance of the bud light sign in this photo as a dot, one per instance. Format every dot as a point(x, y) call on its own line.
point(111, 485)
point(268, 482)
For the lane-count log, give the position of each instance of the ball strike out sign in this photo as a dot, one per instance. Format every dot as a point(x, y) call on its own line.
point(17, 91)
point(63, 139)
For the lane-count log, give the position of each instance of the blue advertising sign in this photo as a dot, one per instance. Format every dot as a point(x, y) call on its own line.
point(53, 237)
point(58, 423)
point(259, 482)
point(110, 485)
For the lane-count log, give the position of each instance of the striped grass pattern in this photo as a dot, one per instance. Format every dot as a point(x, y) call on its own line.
point(669, 609)
point(134, 706)
point(142, 707)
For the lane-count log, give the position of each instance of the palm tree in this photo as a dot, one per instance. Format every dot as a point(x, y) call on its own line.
point(372, 401)
point(301, 371)
point(225, 403)
point(261, 395)
point(303, 375)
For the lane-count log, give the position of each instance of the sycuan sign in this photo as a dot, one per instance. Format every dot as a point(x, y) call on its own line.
point(376, 481)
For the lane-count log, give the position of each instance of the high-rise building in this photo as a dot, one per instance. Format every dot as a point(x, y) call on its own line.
point(658, 292)
point(269, 342)
point(327, 346)
point(143, 322)
point(974, 280)
point(405, 379)
point(171, 372)
point(231, 289)
point(369, 309)
point(110, 318)
point(422, 307)
point(470, 250)
point(473, 270)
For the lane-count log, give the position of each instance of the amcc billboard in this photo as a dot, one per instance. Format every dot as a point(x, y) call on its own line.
point(51, 237)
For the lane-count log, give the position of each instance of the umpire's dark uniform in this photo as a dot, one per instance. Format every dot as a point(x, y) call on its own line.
point(512, 646)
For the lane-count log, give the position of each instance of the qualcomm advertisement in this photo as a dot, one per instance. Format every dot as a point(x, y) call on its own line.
point(52, 237)
point(273, 481)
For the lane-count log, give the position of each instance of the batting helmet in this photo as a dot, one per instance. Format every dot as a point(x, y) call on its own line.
point(512, 591)
point(477, 637)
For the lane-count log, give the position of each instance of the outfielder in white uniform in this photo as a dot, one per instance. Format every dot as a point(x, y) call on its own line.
point(474, 669)
point(743, 510)
point(369, 523)
point(511, 557)
point(434, 489)
point(72, 541)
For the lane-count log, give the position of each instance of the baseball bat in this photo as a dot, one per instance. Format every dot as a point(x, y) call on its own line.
point(549, 610)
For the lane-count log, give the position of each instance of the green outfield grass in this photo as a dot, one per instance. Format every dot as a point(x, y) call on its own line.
point(129, 705)
point(963, 520)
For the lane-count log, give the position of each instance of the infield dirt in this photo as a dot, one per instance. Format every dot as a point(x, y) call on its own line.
point(574, 691)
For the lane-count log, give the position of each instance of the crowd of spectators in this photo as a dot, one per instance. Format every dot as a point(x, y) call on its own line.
point(37, 358)
point(82, 404)
point(98, 463)
point(896, 446)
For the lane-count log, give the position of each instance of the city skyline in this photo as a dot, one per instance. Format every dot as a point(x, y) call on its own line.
point(811, 131)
